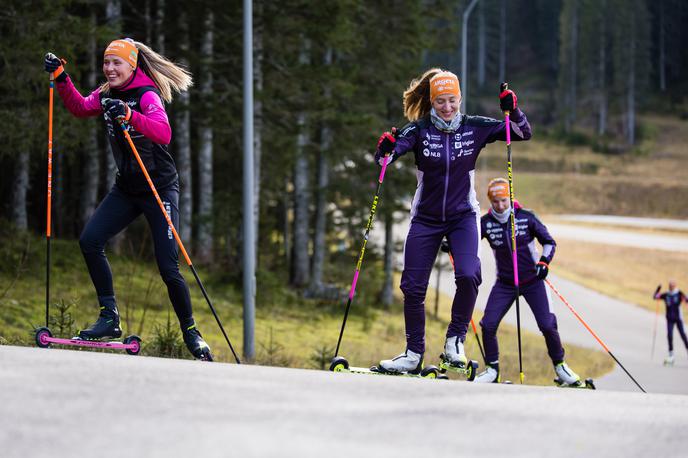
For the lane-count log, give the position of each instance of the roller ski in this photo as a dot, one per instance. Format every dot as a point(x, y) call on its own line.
point(196, 345)
point(408, 364)
point(454, 359)
point(99, 335)
point(131, 344)
point(566, 378)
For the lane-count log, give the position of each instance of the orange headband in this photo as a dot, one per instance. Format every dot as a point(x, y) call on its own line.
point(123, 49)
point(444, 83)
point(498, 188)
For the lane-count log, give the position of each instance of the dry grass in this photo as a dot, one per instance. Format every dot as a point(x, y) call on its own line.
point(555, 178)
point(629, 274)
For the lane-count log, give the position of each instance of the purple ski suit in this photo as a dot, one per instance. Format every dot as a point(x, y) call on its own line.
point(674, 317)
point(445, 205)
point(503, 293)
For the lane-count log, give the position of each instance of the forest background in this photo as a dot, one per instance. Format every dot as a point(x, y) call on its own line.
point(600, 80)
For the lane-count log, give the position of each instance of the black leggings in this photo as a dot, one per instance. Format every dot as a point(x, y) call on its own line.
point(116, 212)
point(670, 332)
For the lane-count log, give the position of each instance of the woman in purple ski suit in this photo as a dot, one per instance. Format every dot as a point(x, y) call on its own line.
point(532, 271)
point(445, 144)
point(674, 316)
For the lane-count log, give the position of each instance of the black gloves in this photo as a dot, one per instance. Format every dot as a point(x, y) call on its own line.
point(507, 98)
point(116, 109)
point(54, 65)
point(541, 268)
point(659, 287)
point(444, 246)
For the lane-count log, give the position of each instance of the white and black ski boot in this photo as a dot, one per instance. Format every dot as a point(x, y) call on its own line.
point(490, 374)
point(408, 362)
point(566, 376)
point(454, 353)
point(196, 345)
point(107, 324)
point(669, 360)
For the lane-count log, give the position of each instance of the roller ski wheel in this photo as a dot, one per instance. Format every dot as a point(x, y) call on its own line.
point(339, 364)
point(134, 343)
point(430, 372)
point(43, 335)
point(470, 369)
point(588, 384)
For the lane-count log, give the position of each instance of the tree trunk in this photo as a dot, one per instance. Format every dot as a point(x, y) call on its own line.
point(205, 151)
point(182, 141)
point(323, 180)
point(20, 188)
point(602, 77)
point(630, 94)
point(89, 190)
point(257, 117)
point(502, 42)
point(286, 224)
point(319, 238)
point(160, 27)
point(573, 80)
point(482, 48)
point(300, 258)
point(662, 55)
point(387, 294)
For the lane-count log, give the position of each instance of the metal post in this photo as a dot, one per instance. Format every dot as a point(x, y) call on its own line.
point(464, 55)
point(248, 223)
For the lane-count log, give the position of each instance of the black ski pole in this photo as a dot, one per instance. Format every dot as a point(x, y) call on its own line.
point(352, 291)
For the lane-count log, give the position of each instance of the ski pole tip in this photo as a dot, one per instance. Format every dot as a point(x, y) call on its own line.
point(522, 376)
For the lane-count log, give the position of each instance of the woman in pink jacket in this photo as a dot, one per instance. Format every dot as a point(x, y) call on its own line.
point(138, 80)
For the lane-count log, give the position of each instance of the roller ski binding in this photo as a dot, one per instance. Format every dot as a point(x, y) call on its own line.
point(196, 345)
point(454, 359)
point(566, 378)
point(340, 364)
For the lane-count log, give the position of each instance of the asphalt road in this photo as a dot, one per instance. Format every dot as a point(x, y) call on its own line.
point(62, 403)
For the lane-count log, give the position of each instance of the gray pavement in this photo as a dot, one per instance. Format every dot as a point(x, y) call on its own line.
point(619, 237)
point(62, 403)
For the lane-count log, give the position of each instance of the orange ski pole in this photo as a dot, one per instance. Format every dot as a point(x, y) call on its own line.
point(593, 333)
point(125, 130)
point(48, 223)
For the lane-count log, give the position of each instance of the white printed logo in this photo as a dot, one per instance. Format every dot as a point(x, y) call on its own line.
point(426, 152)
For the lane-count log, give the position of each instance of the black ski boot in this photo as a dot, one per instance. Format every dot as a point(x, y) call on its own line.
point(196, 345)
point(107, 325)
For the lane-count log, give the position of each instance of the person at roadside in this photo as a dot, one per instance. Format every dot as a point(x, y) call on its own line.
point(674, 316)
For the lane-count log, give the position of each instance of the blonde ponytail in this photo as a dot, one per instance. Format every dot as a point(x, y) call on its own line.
point(417, 102)
point(167, 76)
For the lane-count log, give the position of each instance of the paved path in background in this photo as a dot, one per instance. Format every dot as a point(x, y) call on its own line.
point(655, 223)
point(62, 403)
point(619, 237)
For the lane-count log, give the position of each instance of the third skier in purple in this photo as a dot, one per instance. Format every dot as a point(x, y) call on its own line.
point(445, 144)
point(532, 271)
